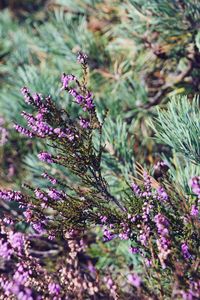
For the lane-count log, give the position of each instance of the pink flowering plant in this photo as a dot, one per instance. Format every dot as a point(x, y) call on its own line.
point(160, 224)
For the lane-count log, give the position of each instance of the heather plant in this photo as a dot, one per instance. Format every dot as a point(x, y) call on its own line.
point(160, 223)
point(66, 272)
point(140, 53)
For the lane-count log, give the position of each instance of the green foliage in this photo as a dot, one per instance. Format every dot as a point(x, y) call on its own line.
point(118, 156)
point(178, 127)
point(181, 170)
point(165, 34)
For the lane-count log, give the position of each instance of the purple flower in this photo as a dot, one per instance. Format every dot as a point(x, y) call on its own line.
point(37, 100)
point(195, 185)
point(185, 251)
point(73, 92)
point(161, 223)
point(64, 133)
point(78, 98)
point(40, 195)
point(55, 194)
point(10, 195)
point(89, 104)
point(28, 117)
point(134, 250)
point(108, 236)
point(91, 267)
point(8, 221)
point(147, 182)
point(123, 236)
point(85, 101)
point(54, 288)
point(37, 125)
point(39, 116)
point(163, 242)
point(59, 132)
point(82, 58)
point(26, 294)
point(70, 136)
point(66, 79)
point(51, 237)
point(5, 250)
point(136, 189)
point(109, 283)
point(28, 215)
point(17, 241)
point(147, 207)
point(103, 219)
point(50, 178)
point(194, 211)
point(161, 194)
point(23, 131)
point(27, 97)
point(132, 218)
point(148, 262)
point(21, 275)
point(42, 129)
point(144, 235)
point(46, 157)
point(84, 123)
point(134, 280)
point(38, 226)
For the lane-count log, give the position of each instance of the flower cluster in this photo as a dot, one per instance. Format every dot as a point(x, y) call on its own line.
point(10, 195)
point(155, 237)
point(23, 270)
point(51, 179)
point(163, 242)
point(185, 251)
point(82, 58)
point(23, 131)
point(195, 185)
point(85, 100)
point(158, 193)
point(160, 228)
point(46, 157)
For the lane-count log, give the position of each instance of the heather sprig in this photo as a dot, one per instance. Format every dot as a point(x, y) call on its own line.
point(72, 148)
point(151, 214)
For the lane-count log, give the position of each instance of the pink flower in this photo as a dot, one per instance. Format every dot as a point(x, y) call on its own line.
point(134, 280)
point(46, 157)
